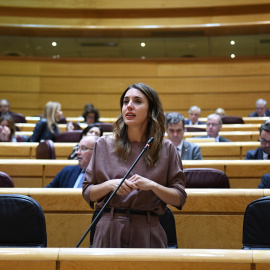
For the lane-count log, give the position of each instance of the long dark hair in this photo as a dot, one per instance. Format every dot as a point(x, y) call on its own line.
point(11, 122)
point(85, 131)
point(155, 128)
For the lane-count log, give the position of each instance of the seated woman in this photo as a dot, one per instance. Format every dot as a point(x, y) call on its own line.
point(90, 115)
point(47, 127)
point(7, 129)
point(92, 129)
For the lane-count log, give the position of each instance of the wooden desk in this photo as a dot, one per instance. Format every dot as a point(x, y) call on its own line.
point(229, 151)
point(247, 120)
point(27, 150)
point(235, 136)
point(211, 218)
point(133, 259)
point(233, 127)
point(241, 173)
point(33, 172)
point(39, 173)
point(210, 150)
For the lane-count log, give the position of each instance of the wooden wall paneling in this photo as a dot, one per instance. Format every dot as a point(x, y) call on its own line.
point(103, 89)
point(122, 4)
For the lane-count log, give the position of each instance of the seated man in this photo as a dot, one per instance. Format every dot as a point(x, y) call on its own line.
point(261, 109)
point(194, 113)
point(265, 181)
point(4, 107)
point(73, 176)
point(262, 152)
point(213, 127)
point(175, 128)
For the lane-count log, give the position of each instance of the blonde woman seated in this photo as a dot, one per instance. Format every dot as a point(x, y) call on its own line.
point(47, 128)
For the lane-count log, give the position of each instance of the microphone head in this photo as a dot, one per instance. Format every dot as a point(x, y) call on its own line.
point(150, 141)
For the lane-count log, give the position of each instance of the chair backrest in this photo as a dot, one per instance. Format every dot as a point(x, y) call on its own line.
point(206, 178)
point(18, 118)
point(194, 129)
point(22, 222)
point(68, 136)
point(45, 150)
point(256, 224)
point(62, 120)
point(232, 120)
point(106, 127)
point(5, 180)
point(166, 220)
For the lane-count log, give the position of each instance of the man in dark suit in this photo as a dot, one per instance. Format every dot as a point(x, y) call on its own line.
point(175, 128)
point(213, 127)
point(73, 176)
point(265, 181)
point(261, 109)
point(262, 152)
point(4, 107)
point(194, 113)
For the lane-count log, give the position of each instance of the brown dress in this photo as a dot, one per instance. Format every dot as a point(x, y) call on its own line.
point(118, 230)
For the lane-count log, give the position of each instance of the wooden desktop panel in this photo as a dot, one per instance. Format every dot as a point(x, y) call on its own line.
point(214, 216)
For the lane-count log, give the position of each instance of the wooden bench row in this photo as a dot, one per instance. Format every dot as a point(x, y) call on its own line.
point(228, 127)
point(211, 218)
point(133, 259)
point(27, 150)
point(235, 136)
point(39, 173)
point(247, 120)
point(209, 150)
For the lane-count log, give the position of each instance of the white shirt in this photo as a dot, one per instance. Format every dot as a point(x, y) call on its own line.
point(78, 183)
point(179, 148)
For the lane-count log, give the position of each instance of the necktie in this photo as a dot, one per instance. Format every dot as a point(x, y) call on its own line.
point(80, 179)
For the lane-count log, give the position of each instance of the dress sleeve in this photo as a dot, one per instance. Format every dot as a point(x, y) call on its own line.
point(176, 177)
point(89, 179)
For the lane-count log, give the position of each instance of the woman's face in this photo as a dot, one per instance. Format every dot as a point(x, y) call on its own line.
point(135, 108)
point(5, 123)
point(94, 131)
point(90, 118)
point(58, 114)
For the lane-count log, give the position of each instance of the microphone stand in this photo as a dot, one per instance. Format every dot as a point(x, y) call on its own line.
point(148, 144)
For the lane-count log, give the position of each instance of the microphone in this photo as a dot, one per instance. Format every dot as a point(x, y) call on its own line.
point(148, 144)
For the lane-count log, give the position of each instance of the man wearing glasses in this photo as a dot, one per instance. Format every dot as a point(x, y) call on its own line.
point(261, 109)
point(213, 127)
point(262, 152)
point(73, 176)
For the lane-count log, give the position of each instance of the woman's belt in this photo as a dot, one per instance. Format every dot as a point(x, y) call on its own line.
point(128, 211)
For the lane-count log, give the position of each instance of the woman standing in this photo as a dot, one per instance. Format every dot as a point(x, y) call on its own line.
point(131, 218)
point(47, 127)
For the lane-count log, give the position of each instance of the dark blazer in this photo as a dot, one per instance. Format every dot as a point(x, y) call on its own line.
point(265, 181)
point(199, 122)
point(41, 132)
point(254, 114)
point(221, 139)
point(254, 154)
point(66, 178)
point(191, 151)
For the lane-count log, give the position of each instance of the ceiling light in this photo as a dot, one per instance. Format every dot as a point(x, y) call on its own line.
point(232, 42)
point(142, 44)
point(232, 55)
point(54, 44)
